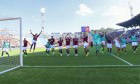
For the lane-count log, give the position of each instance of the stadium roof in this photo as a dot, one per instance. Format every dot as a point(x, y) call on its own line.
point(135, 21)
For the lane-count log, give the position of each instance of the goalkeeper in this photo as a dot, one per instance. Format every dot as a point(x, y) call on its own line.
point(97, 41)
point(5, 48)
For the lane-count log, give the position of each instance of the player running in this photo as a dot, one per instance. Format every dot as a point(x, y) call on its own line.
point(103, 41)
point(35, 37)
point(134, 41)
point(5, 48)
point(60, 45)
point(25, 42)
point(85, 40)
point(68, 39)
point(109, 43)
point(123, 44)
point(97, 41)
point(117, 43)
point(48, 46)
point(75, 43)
point(52, 40)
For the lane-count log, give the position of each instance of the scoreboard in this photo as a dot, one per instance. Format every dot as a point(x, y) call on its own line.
point(85, 29)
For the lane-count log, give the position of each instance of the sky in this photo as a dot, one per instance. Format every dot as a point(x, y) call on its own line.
point(69, 15)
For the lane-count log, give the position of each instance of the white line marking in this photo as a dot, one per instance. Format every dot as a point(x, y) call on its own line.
point(122, 60)
point(9, 69)
point(76, 66)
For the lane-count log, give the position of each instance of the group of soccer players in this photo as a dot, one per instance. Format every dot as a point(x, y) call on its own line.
point(99, 39)
point(68, 39)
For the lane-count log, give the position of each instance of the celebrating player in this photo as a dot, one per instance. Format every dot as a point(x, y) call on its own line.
point(35, 37)
point(134, 41)
point(85, 40)
point(25, 42)
point(109, 43)
point(117, 43)
point(48, 46)
point(102, 41)
point(123, 43)
point(75, 43)
point(6, 46)
point(68, 39)
point(52, 40)
point(97, 41)
point(60, 45)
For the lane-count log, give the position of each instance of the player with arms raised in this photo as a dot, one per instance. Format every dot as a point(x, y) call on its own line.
point(35, 37)
point(97, 41)
point(85, 40)
point(60, 42)
point(68, 39)
point(75, 43)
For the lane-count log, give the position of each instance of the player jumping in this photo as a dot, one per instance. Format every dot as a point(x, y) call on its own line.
point(68, 39)
point(75, 43)
point(85, 40)
point(60, 45)
point(52, 40)
point(97, 42)
point(25, 42)
point(35, 37)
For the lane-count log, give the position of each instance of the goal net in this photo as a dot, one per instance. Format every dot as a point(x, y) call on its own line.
point(10, 44)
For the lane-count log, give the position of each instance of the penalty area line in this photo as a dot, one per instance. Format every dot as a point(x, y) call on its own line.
point(122, 60)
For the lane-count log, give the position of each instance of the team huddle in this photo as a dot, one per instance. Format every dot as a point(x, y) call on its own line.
point(99, 41)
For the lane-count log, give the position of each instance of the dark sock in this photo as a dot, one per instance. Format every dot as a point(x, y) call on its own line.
point(87, 50)
point(7, 54)
point(2, 53)
point(96, 52)
point(61, 52)
point(31, 46)
point(110, 50)
point(68, 52)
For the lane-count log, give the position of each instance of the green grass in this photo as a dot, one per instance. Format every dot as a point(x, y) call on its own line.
point(69, 75)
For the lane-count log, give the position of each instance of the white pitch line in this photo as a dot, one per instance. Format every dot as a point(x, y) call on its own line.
point(122, 60)
point(77, 66)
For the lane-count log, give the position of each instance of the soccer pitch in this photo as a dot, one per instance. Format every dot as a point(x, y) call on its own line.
point(100, 69)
